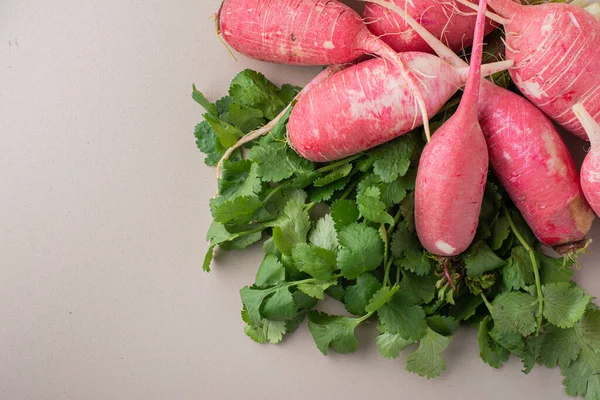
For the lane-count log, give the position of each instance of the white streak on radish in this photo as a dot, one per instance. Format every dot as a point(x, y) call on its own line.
point(328, 45)
point(554, 161)
point(507, 156)
point(444, 247)
point(531, 88)
point(548, 23)
point(574, 20)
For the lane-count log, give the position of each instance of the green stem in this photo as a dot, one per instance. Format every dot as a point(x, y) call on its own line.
point(365, 317)
point(349, 190)
point(386, 276)
point(397, 275)
point(332, 166)
point(308, 280)
point(274, 191)
point(534, 265)
point(487, 303)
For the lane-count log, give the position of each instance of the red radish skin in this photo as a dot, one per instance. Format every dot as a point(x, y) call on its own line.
point(525, 150)
point(453, 169)
point(533, 164)
point(448, 20)
point(306, 32)
point(369, 104)
point(556, 48)
point(590, 169)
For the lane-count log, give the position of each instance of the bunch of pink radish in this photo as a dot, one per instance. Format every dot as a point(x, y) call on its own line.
point(552, 53)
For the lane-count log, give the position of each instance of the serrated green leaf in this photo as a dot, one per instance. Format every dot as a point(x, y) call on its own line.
point(381, 297)
point(343, 213)
point(442, 324)
point(518, 271)
point(579, 374)
point(241, 241)
point(554, 270)
point(393, 159)
point(499, 233)
point(246, 119)
point(252, 89)
point(206, 141)
point(480, 259)
point(317, 289)
point(427, 360)
point(564, 305)
point(324, 234)
point(317, 262)
point(401, 315)
point(361, 250)
point(293, 227)
point(489, 350)
point(208, 258)
point(515, 312)
point(372, 208)
point(391, 344)
point(280, 306)
point(338, 173)
point(252, 300)
point(357, 296)
point(276, 161)
point(203, 101)
point(228, 134)
point(333, 331)
point(241, 208)
point(270, 272)
point(420, 264)
point(559, 346)
point(421, 286)
point(239, 178)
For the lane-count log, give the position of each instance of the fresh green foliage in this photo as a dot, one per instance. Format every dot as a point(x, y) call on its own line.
point(345, 231)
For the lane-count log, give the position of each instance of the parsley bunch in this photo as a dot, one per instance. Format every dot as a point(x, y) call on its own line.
point(361, 249)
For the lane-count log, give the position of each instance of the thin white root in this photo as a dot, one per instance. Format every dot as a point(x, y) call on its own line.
point(594, 9)
point(248, 138)
point(592, 128)
point(494, 17)
point(492, 68)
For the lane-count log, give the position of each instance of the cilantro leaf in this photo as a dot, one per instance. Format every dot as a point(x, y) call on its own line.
point(252, 300)
point(489, 350)
point(252, 89)
point(420, 264)
point(240, 208)
point(333, 331)
point(344, 212)
point(317, 288)
point(582, 374)
point(246, 119)
point(515, 312)
point(293, 227)
point(239, 178)
point(228, 134)
point(554, 270)
point(270, 272)
point(338, 173)
point(241, 241)
point(372, 208)
point(559, 346)
point(276, 161)
point(324, 234)
point(325, 193)
point(391, 344)
point(208, 258)
point(380, 298)
point(401, 315)
point(393, 159)
point(518, 272)
point(422, 287)
point(265, 331)
point(206, 141)
point(564, 305)
point(500, 232)
point(427, 360)
point(442, 324)
point(203, 101)
point(361, 250)
point(280, 306)
point(480, 259)
point(465, 307)
point(404, 243)
point(315, 261)
point(358, 295)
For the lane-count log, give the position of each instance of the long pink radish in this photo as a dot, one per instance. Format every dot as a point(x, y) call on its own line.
point(556, 48)
point(590, 169)
point(307, 32)
point(369, 103)
point(453, 168)
point(447, 20)
point(529, 158)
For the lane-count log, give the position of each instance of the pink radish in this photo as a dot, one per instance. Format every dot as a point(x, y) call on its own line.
point(556, 48)
point(453, 169)
point(448, 20)
point(368, 104)
point(525, 151)
point(590, 169)
point(307, 32)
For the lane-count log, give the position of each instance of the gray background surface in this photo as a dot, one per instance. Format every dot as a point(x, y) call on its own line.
point(103, 212)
